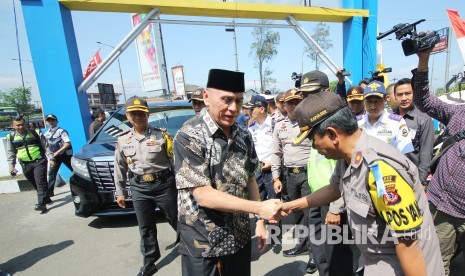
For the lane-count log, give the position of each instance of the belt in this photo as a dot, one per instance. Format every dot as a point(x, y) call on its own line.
point(296, 170)
point(149, 177)
point(35, 160)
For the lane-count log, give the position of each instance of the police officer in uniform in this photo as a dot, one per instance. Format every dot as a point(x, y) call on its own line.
point(60, 149)
point(295, 163)
point(377, 122)
point(145, 153)
point(27, 146)
point(386, 206)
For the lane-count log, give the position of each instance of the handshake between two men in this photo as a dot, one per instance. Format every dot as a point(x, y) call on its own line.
point(273, 210)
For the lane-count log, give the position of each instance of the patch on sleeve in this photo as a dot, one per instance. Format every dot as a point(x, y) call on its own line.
point(397, 206)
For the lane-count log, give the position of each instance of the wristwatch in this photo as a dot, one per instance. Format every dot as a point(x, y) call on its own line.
point(257, 218)
point(275, 179)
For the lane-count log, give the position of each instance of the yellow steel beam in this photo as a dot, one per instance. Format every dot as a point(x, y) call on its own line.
point(217, 9)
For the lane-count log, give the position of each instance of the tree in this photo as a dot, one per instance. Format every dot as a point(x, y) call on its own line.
point(332, 86)
point(263, 50)
point(320, 35)
point(18, 97)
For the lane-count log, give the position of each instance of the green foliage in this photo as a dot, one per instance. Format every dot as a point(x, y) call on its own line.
point(332, 86)
point(263, 50)
point(320, 35)
point(17, 97)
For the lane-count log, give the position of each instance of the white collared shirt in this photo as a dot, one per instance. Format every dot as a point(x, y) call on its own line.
point(390, 128)
point(262, 135)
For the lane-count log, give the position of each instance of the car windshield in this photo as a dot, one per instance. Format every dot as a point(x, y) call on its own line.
point(170, 117)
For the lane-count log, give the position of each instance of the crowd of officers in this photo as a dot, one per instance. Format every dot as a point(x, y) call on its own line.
point(280, 159)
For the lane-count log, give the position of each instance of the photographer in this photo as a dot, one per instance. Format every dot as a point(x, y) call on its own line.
point(446, 189)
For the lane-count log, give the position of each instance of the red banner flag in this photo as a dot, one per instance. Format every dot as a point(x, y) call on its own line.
point(458, 25)
point(93, 63)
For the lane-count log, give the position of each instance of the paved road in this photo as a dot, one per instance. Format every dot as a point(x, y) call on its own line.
point(59, 243)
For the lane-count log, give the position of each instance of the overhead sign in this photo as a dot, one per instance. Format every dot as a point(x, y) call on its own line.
point(178, 80)
point(444, 42)
point(150, 56)
point(106, 93)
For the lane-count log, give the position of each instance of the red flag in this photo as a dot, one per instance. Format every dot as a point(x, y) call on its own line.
point(93, 63)
point(458, 24)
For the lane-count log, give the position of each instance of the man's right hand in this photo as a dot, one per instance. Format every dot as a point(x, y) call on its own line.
point(13, 171)
point(52, 163)
point(339, 76)
point(423, 58)
point(121, 200)
point(278, 186)
point(267, 210)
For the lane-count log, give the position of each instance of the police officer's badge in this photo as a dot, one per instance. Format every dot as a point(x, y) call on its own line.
point(405, 132)
point(129, 160)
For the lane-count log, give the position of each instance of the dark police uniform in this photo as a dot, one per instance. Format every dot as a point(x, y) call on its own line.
point(31, 155)
point(147, 160)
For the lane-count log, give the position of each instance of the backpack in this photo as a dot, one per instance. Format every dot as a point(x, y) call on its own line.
point(446, 145)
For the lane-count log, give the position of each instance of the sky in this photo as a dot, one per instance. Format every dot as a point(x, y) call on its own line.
point(200, 48)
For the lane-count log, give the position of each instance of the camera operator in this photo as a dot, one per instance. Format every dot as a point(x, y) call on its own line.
point(446, 189)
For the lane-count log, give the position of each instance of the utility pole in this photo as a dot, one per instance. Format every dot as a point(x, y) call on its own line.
point(233, 30)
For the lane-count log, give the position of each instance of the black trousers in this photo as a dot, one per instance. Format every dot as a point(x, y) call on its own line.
point(146, 196)
point(342, 259)
point(297, 187)
point(316, 219)
point(53, 171)
point(231, 265)
point(36, 173)
point(265, 186)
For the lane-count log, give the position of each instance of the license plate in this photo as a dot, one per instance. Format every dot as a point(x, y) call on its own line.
point(128, 195)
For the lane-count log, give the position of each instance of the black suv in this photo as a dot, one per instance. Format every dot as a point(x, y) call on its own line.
point(92, 183)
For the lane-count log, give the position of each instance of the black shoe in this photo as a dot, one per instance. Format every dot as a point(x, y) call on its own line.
point(48, 200)
point(311, 266)
point(148, 270)
point(41, 208)
point(293, 252)
point(51, 194)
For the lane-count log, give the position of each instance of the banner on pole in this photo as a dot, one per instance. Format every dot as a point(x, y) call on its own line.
point(178, 80)
point(150, 56)
point(443, 43)
point(458, 25)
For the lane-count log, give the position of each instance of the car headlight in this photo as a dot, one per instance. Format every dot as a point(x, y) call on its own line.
point(80, 167)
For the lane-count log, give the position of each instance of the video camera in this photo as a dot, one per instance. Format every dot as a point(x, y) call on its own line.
point(296, 77)
point(344, 73)
point(377, 74)
point(417, 42)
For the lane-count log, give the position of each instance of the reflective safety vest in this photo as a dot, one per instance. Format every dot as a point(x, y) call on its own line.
point(319, 170)
point(28, 147)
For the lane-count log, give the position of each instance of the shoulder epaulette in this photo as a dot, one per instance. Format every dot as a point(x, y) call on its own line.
point(252, 124)
point(395, 117)
point(123, 133)
point(279, 119)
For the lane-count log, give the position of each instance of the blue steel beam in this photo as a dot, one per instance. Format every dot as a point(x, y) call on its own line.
point(52, 42)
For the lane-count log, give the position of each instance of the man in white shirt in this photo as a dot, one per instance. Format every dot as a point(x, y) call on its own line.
point(379, 123)
point(262, 134)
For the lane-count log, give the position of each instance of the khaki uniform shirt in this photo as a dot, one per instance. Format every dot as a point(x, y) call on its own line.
point(402, 211)
point(141, 155)
point(284, 132)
